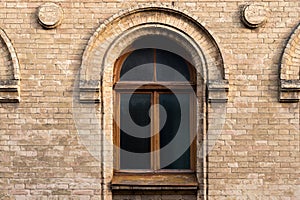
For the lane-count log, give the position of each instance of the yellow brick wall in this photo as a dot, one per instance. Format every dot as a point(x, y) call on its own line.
point(44, 156)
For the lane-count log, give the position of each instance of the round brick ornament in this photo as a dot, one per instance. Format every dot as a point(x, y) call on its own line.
point(50, 15)
point(254, 15)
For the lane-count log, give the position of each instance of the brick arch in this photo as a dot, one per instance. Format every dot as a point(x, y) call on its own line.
point(9, 75)
point(290, 69)
point(102, 49)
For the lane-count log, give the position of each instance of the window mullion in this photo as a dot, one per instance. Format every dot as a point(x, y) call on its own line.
point(155, 133)
point(117, 131)
point(192, 133)
point(154, 65)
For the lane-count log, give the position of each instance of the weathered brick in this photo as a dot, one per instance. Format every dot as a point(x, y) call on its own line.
point(45, 155)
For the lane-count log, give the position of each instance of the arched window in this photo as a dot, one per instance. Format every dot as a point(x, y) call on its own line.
point(121, 91)
point(155, 112)
point(9, 71)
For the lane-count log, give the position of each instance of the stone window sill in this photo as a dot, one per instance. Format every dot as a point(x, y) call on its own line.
point(154, 181)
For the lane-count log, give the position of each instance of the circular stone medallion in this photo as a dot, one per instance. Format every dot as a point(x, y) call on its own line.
point(254, 15)
point(50, 15)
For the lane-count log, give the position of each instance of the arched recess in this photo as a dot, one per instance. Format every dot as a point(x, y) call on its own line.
point(9, 71)
point(120, 34)
point(129, 25)
point(290, 69)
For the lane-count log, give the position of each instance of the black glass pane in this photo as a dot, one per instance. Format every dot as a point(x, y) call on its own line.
point(183, 162)
point(174, 131)
point(138, 66)
point(171, 67)
point(135, 131)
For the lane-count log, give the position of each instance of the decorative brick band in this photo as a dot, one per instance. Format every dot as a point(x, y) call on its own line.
point(103, 50)
point(289, 89)
point(218, 91)
point(89, 91)
point(10, 89)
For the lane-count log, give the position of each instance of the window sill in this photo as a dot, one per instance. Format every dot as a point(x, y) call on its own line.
point(154, 181)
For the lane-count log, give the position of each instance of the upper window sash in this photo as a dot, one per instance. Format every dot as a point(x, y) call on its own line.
point(153, 65)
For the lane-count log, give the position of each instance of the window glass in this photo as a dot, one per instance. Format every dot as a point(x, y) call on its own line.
point(135, 131)
point(175, 131)
point(171, 67)
point(138, 66)
point(137, 135)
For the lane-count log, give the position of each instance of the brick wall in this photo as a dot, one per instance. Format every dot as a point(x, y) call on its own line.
point(45, 155)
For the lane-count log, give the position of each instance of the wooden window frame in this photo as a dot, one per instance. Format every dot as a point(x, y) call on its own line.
point(179, 178)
